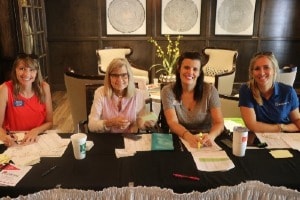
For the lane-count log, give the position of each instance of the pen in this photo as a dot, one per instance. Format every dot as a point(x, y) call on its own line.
point(48, 171)
point(11, 134)
point(194, 178)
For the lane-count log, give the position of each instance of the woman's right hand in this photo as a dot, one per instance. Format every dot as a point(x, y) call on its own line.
point(120, 122)
point(8, 140)
point(193, 140)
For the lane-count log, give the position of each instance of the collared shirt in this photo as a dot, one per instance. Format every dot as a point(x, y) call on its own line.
point(274, 110)
point(105, 108)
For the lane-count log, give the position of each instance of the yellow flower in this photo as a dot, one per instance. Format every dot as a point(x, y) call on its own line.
point(169, 56)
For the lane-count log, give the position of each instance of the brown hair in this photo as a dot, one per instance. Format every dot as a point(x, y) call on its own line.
point(30, 61)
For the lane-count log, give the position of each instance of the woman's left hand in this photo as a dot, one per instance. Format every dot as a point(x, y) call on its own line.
point(30, 136)
point(207, 140)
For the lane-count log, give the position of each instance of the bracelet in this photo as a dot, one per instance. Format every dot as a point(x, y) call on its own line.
point(280, 126)
point(182, 135)
point(105, 127)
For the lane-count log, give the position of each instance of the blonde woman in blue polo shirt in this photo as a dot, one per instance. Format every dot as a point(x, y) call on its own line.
point(267, 105)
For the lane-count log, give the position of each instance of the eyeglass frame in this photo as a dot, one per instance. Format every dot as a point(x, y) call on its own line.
point(122, 75)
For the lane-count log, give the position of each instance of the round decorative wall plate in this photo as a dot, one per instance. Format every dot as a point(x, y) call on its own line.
point(180, 15)
point(235, 16)
point(126, 16)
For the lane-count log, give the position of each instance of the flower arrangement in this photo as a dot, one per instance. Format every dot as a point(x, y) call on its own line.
point(169, 55)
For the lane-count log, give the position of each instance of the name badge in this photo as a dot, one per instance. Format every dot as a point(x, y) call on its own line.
point(18, 103)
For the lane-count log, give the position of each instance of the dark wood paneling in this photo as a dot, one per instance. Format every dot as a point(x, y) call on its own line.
point(72, 18)
point(280, 18)
point(80, 56)
point(77, 28)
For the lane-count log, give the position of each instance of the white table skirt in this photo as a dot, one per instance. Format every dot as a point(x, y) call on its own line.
point(254, 190)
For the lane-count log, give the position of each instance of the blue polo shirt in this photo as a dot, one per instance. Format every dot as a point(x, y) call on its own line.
point(275, 110)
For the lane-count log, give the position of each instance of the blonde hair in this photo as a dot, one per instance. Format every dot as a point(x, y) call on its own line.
point(114, 64)
point(251, 83)
point(30, 61)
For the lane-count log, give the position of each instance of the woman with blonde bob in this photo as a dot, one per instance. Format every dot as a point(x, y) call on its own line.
point(25, 102)
point(267, 105)
point(118, 106)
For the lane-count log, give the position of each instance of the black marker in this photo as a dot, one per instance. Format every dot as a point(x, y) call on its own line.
point(48, 171)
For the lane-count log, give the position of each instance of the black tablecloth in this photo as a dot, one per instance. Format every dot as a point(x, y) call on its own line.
point(101, 169)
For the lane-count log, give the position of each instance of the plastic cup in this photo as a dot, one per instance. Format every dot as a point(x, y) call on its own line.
point(79, 145)
point(239, 142)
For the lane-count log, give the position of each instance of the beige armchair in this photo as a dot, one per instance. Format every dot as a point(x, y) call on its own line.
point(220, 68)
point(75, 85)
point(105, 56)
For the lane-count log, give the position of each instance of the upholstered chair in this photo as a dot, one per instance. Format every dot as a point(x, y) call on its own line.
point(220, 68)
point(105, 56)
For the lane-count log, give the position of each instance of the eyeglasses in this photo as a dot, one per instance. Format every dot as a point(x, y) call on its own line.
point(24, 55)
point(115, 76)
point(265, 53)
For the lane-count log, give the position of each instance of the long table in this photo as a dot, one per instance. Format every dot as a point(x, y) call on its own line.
point(101, 169)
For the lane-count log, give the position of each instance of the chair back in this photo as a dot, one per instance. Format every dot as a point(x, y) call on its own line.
point(219, 61)
point(162, 124)
point(230, 106)
point(287, 75)
point(105, 56)
point(89, 95)
point(220, 68)
point(75, 86)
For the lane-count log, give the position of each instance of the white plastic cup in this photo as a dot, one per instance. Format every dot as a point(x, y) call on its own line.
point(239, 142)
point(79, 145)
point(155, 81)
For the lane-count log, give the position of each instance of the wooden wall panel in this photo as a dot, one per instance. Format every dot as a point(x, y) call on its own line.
point(76, 28)
point(280, 18)
point(80, 56)
point(72, 18)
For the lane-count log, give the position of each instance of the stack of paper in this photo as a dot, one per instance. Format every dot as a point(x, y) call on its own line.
point(11, 174)
point(47, 145)
point(210, 158)
point(280, 140)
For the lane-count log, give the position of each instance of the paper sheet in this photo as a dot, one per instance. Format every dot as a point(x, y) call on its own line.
point(230, 123)
point(276, 141)
point(12, 174)
point(210, 158)
point(47, 145)
point(142, 144)
point(281, 154)
point(211, 161)
point(293, 139)
point(150, 116)
point(214, 147)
